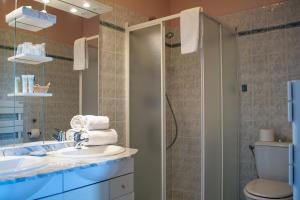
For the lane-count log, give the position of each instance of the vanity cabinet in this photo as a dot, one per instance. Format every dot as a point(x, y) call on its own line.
point(108, 180)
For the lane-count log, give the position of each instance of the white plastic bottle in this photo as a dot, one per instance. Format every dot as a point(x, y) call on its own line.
point(30, 83)
point(17, 84)
point(24, 84)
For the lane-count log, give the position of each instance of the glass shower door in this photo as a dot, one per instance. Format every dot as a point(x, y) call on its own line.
point(230, 98)
point(146, 120)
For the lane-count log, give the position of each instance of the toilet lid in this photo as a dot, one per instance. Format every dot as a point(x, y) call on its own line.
point(269, 189)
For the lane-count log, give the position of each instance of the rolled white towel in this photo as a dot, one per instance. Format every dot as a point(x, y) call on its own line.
point(90, 122)
point(96, 122)
point(77, 122)
point(100, 137)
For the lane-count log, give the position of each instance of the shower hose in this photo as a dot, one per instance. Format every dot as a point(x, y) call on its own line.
point(175, 122)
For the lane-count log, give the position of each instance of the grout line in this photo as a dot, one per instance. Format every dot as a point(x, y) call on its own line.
point(60, 57)
point(255, 31)
point(112, 26)
point(175, 45)
point(271, 28)
point(6, 47)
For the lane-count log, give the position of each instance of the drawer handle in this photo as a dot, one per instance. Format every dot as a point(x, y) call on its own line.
point(123, 186)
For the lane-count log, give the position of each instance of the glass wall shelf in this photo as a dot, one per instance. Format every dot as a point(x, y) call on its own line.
point(30, 59)
point(29, 95)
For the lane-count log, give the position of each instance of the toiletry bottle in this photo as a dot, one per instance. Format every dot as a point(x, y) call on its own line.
point(17, 84)
point(30, 83)
point(24, 84)
point(43, 49)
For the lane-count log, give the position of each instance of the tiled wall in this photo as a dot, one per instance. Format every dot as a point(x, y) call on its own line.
point(183, 74)
point(64, 83)
point(269, 56)
point(112, 64)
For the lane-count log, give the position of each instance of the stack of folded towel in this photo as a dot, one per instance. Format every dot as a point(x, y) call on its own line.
point(95, 128)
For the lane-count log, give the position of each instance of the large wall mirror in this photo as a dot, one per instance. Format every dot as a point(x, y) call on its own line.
point(29, 118)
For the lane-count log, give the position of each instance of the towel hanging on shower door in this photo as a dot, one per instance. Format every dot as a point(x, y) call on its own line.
point(190, 30)
point(81, 61)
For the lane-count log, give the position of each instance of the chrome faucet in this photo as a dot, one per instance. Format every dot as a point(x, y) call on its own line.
point(59, 135)
point(78, 140)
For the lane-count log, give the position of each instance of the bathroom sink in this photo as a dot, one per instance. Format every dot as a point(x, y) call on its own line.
point(90, 152)
point(18, 164)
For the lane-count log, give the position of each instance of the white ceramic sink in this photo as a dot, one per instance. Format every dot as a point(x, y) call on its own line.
point(18, 164)
point(90, 152)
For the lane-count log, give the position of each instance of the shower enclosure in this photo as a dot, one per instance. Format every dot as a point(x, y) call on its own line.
point(190, 101)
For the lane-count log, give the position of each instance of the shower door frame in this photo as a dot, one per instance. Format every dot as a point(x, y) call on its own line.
point(128, 29)
point(163, 90)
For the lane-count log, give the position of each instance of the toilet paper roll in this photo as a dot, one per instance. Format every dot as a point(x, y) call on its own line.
point(34, 133)
point(267, 135)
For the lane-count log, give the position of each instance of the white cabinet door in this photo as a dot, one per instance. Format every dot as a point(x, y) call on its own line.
point(121, 186)
point(99, 191)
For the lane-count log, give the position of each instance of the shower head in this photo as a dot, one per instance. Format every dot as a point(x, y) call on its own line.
point(170, 35)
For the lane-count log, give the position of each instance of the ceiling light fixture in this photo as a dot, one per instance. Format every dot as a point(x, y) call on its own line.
point(73, 10)
point(46, 1)
point(86, 5)
point(84, 8)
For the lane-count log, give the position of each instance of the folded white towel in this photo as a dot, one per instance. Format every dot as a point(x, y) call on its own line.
point(190, 30)
point(90, 122)
point(100, 137)
point(80, 54)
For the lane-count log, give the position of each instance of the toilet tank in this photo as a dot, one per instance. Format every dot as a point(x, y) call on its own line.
point(272, 160)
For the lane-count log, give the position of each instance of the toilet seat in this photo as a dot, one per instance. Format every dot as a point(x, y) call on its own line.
point(263, 189)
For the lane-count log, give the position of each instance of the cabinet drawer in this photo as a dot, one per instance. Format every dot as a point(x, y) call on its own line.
point(126, 197)
point(121, 186)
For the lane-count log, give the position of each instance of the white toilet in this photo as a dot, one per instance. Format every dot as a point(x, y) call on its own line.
point(272, 167)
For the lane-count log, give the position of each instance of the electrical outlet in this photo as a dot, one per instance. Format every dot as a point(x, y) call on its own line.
point(244, 87)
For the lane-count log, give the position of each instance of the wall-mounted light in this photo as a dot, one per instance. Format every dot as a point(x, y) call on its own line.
point(86, 5)
point(82, 8)
point(73, 10)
